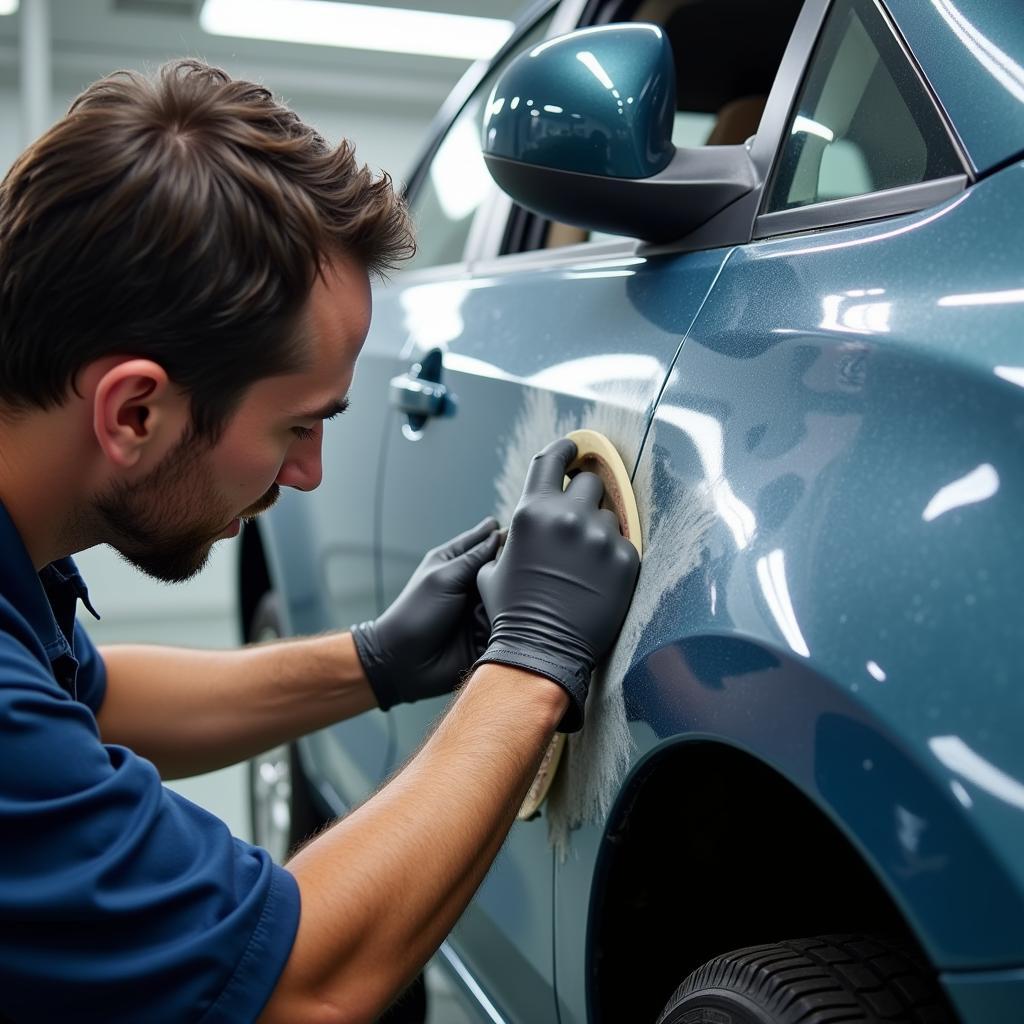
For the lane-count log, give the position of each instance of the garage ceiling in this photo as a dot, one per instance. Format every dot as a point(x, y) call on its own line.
point(92, 37)
point(480, 8)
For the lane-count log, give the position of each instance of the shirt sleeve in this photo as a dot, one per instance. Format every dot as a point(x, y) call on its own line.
point(119, 899)
point(91, 683)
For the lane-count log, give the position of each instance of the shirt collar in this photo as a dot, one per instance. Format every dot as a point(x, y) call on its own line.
point(34, 594)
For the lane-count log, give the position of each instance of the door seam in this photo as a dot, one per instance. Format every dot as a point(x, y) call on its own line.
point(675, 359)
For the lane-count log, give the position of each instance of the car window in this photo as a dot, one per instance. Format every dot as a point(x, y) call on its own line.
point(863, 121)
point(457, 181)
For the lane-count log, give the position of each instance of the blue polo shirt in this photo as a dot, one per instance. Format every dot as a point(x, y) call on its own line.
point(120, 900)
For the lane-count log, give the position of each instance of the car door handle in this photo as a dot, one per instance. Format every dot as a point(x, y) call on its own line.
point(419, 397)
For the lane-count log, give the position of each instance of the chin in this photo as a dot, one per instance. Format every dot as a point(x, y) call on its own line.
point(171, 568)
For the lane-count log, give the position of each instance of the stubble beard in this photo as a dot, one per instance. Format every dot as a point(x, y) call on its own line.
point(166, 523)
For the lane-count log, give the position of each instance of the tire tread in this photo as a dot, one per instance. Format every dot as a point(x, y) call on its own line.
point(827, 979)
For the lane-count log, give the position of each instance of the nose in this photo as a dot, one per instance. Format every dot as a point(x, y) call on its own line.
point(303, 468)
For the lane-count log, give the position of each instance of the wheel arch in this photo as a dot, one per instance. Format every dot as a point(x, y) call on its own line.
point(750, 864)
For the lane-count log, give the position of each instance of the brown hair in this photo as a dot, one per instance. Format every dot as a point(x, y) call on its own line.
point(183, 219)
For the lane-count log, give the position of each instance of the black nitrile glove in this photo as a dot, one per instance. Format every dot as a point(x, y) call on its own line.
point(432, 632)
point(559, 593)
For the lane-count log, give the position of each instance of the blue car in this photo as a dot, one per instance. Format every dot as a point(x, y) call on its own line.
point(775, 252)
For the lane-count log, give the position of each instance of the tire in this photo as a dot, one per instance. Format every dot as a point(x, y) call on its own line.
point(831, 979)
point(282, 811)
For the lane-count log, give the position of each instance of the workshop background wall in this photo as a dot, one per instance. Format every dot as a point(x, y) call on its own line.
point(383, 102)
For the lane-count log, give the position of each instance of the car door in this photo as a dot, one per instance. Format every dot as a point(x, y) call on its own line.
point(526, 346)
point(334, 581)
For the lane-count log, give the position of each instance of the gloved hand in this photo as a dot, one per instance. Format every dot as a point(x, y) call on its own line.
point(432, 632)
point(559, 593)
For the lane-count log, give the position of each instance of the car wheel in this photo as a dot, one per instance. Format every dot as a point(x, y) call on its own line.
point(851, 978)
point(282, 811)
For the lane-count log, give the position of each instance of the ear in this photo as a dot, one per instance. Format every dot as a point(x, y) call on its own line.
point(137, 413)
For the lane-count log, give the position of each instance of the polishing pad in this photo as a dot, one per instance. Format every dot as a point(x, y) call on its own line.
point(594, 454)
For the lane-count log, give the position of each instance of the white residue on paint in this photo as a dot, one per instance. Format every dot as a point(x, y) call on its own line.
point(597, 758)
point(539, 424)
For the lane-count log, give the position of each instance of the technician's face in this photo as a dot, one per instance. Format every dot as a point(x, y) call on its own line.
point(167, 523)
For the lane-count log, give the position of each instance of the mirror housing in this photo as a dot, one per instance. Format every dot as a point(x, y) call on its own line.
point(579, 129)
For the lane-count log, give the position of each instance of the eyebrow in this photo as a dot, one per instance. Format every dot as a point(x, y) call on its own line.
point(333, 408)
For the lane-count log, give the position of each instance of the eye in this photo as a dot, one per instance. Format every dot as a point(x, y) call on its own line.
point(304, 433)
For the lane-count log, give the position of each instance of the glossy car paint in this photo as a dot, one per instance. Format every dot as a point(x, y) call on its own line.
point(599, 101)
point(972, 53)
point(861, 390)
point(986, 995)
point(609, 332)
point(852, 401)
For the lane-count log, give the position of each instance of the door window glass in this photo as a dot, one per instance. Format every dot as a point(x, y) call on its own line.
point(457, 181)
point(863, 121)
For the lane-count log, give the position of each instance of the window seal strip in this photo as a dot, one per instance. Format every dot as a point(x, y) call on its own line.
point(855, 209)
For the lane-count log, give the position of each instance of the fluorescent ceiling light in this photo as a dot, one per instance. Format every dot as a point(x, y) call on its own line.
point(8, 6)
point(356, 26)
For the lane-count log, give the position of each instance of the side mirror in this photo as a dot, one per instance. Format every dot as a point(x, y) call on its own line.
point(579, 129)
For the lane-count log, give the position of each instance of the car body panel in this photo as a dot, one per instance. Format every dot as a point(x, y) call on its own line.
point(986, 997)
point(529, 354)
point(852, 404)
point(323, 562)
point(972, 53)
point(832, 387)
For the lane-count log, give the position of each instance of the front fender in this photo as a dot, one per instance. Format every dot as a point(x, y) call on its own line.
point(850, 407)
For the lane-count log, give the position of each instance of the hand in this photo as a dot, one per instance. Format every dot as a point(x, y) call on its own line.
point(559, 593)
point(434, 630)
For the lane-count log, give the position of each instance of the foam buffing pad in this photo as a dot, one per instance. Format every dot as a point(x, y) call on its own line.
point(594, 454)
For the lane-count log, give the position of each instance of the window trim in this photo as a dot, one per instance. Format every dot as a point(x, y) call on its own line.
point(871, 205)
point(833, 213)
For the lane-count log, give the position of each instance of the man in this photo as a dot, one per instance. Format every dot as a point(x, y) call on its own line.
point(184, 290)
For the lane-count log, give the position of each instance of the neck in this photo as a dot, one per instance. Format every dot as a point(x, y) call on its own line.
point(41, 473)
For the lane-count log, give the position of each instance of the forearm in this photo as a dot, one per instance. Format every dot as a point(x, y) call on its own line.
point(192, 711)
point(382, 888)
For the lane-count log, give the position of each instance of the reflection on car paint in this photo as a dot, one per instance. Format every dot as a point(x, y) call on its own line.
point(978, 485)
point(433, 312)
point(771, 574)
point(958, 757)
point(706, 434)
